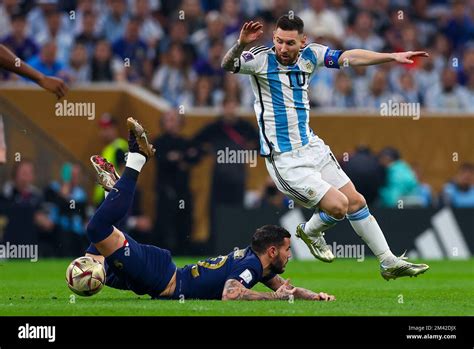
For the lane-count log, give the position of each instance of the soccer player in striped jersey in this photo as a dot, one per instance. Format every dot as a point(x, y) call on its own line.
point(300, 163)
point(12, 63)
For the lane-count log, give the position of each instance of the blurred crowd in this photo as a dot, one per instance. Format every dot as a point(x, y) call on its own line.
point(61, 209)
point(174, 47)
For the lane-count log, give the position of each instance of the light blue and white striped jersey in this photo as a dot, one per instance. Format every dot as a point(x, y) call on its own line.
point(281, 94)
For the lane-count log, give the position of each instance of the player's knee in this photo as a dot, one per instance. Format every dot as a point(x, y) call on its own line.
point(356, 202)
point(340, 207)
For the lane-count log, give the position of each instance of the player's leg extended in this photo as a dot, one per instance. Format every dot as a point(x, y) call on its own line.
point(141, 268)
point(366, 226)
point(297, 178)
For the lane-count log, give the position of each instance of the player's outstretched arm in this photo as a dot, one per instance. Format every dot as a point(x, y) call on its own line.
point(299, 292)
point(358, 57)
point(9, 62)
point(234, 291)
point(250, 32)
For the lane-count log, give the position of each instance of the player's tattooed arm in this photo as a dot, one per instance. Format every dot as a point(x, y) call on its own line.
point(275, 282)
point(234, 290)
point(302, 293)
point(250, 32)
point(231, 59)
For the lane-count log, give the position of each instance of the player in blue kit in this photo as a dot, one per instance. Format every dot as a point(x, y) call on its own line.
point(146, 269)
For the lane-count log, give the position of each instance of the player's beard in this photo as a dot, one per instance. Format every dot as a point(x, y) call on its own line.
point(278, 267)
point(288, 60)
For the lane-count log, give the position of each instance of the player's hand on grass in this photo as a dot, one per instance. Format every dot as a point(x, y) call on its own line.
point(321, 296)
point(285, 291)
point(405, 57)
point(53, 85)
point(250, 32)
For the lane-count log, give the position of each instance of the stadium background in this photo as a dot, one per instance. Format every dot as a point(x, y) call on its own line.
point(146, 58)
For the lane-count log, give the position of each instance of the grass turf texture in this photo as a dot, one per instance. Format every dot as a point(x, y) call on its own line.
point(446, 289)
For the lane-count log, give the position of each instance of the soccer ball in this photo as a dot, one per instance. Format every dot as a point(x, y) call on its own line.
point(85, 276)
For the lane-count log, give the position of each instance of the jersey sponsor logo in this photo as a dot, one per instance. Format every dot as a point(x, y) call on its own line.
point(246, 275)
point(247, 56)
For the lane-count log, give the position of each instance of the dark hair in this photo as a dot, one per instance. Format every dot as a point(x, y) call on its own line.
point(268, 235)
point(391, 152)
point(293, 23)
point(467, 166)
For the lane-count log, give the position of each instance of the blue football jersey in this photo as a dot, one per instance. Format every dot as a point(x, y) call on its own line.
point(206, 279)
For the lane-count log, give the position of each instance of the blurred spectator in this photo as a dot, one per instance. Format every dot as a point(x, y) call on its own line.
point(150, 29)
point(94, 23)
point(269, 196)
point(102, 63)
point(212, 65)
point(193, 15)
point(133, 52)
point(8, 8)
point(365, 171)
point(362, 35)
point(78, 70)
point(202, 96)
point(114, 151)
point(58, 33)
point(37, 19)
point(459, 192)
point(400, 180)
point(323, 23)
point(423, 194)
point(230, 11)
point(116, 20)
point(22, 45)
point(227, 134)
point(22, 193)
point(448, 94)
point(87, 35)
point(407, 88)
point(467, 67)
point(343, 95)
point(174, 207)
point(378, 92)
point(67, 201)
point(460, 26)
point(178, 34)
point(174, 78)
point(427, 76)
point(46, 61)
point(204, 38)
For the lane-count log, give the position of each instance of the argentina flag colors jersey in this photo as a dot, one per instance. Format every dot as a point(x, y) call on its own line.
point(281, 94)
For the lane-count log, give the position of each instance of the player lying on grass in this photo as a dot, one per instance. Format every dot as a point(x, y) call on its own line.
point(299, 162)
point(146, 269)
point(11, 63)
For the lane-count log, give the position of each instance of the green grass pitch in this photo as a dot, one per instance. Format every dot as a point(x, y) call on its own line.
point(446, 289)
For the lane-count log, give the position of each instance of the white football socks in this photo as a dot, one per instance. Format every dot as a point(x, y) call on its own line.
point(319, 222)
point(366, 226)
point(135, 161)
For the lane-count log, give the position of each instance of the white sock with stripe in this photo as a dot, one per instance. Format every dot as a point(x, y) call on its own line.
point(366, 226)
point(319, 222)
